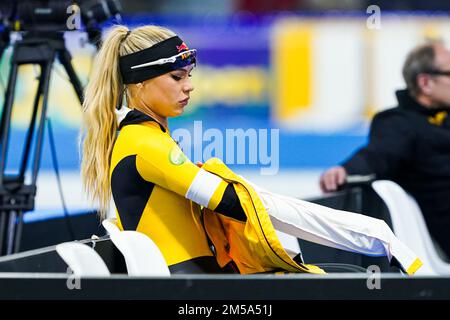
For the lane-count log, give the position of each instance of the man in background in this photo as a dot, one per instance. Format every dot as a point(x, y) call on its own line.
point(410, 144)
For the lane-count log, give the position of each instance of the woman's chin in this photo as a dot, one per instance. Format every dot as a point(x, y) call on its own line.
point(177, 113)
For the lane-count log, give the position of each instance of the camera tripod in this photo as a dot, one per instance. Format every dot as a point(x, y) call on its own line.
point(16, 194)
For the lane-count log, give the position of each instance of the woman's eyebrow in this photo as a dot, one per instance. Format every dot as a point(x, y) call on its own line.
point(184, 70)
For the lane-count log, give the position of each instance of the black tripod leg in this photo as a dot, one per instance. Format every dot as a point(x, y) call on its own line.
point(65, 59)
point(45, 80)
point(14, 232)
point(10, 233)
point(6, 119)
point(30, 131)
point(18, 235)
point(26, 153)
point(4, 140)
point(2, 231)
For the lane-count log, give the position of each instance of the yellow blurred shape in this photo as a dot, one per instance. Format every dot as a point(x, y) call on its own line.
point(292, 63)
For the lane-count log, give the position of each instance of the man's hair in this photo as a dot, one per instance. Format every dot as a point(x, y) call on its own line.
point(419, 60)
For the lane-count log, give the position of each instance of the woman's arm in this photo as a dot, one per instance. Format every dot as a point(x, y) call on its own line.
point(164, 164)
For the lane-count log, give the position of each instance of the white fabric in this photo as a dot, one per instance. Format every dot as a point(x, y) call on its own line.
point(121, 114)
point(202, 188)
point(334, 228)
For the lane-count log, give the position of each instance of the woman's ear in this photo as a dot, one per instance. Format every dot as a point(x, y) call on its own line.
point(139, 85)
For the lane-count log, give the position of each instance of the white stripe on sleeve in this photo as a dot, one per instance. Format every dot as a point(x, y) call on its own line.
point(202, 187)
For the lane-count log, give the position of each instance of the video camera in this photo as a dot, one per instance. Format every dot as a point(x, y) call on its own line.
point(47, 16)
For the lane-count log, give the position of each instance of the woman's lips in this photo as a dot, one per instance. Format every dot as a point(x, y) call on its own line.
point(184, 102)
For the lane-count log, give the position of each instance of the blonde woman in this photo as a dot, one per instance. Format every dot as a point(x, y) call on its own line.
point(204, 219)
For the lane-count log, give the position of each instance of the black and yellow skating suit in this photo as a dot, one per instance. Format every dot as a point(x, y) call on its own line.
point(152, 184)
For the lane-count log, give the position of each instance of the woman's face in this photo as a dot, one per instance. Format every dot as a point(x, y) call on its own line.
point(165, 95)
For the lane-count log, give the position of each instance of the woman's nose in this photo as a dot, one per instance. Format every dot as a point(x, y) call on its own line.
point(188, 87)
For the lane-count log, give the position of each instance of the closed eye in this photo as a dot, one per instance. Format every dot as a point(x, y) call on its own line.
point(178, 77)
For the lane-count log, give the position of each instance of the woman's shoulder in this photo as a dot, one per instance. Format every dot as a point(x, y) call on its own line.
point(146, 134)
point(141, 130)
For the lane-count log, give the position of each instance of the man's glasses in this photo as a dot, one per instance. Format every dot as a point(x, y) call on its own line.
point(438, 73)
point(180, 60)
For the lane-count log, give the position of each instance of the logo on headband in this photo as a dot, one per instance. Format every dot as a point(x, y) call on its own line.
point(182, 47)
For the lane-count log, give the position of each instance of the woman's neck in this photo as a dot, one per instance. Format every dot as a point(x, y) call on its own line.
point(161, 120)
point(140, 105)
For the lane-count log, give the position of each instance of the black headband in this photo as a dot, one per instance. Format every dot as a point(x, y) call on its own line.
point(164, 49)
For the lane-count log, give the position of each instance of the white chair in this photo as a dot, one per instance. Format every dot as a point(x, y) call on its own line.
point(142, 256)
point(110, 225)
point(409, 226)
point(82, 259)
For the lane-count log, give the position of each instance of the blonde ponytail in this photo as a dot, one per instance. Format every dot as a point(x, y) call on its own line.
point(102, 94)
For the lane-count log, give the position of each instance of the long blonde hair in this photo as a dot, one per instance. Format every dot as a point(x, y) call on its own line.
point(102, 94)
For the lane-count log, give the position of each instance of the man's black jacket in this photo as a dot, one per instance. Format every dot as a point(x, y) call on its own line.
point(410, 144)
